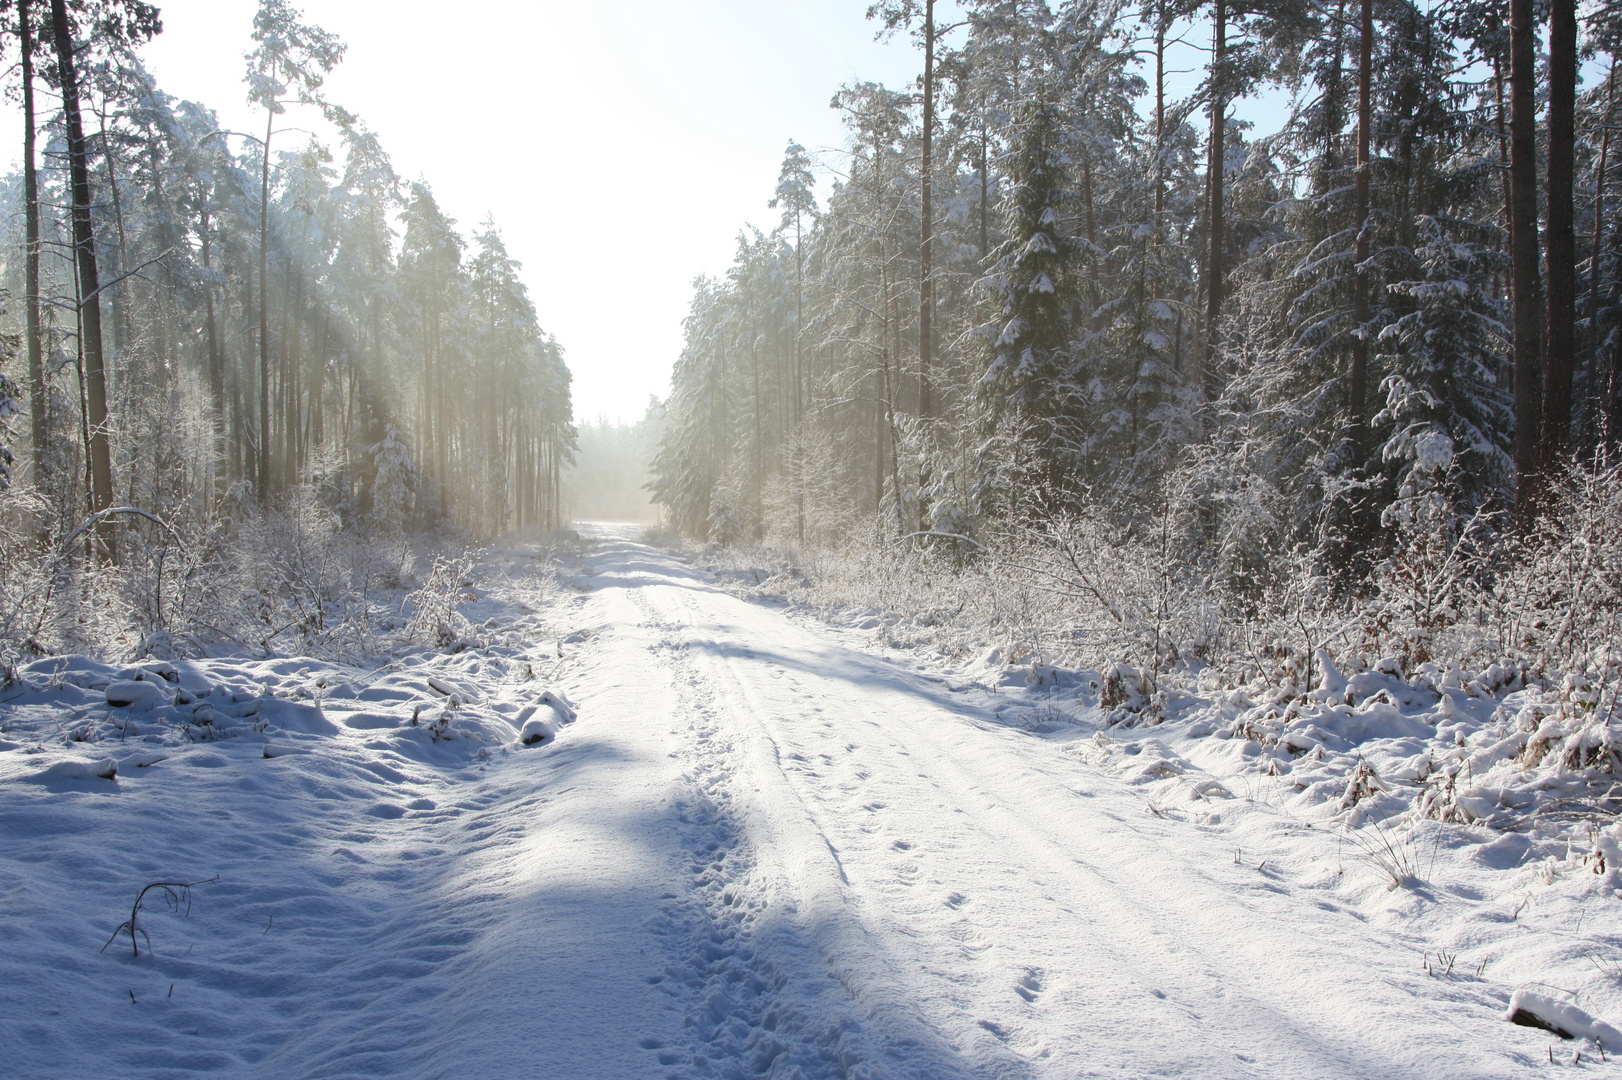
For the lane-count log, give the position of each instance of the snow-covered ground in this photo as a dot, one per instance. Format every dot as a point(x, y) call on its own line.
point(760, 847)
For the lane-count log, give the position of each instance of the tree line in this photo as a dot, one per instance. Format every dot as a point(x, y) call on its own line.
point(203, 320)
point(1040, 283)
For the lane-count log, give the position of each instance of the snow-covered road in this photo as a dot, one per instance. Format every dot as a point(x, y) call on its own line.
point(879, 879)
point(758, 851)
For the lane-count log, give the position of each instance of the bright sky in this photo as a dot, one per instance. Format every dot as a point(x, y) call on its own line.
point(620, 147)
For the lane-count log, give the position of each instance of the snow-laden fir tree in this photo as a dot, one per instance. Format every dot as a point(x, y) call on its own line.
point(1027, 380)
point(1446, 426)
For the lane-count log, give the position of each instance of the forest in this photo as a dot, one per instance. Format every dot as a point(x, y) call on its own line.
point(1099, 370)
point(1110, 589)
point(240, 364)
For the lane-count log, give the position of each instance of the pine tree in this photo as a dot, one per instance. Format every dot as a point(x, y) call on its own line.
point(1025, 382)
point(430, 267)
point(798, 202)
point(1560, 341)
point(1526, 286)
point(1448, 414)
point(123, 22)
point(290, 64)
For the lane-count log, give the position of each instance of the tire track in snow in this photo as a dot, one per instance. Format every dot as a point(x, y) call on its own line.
point(833, 979)
point(913, 982)
point(734, 1007)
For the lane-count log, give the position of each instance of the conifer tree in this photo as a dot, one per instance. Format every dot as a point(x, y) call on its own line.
point(1447, 418)
point(798, 203)
point(1025, 381)
point(121, 22)
point(1560, 341)
point(290, 63)
point(1525, 282)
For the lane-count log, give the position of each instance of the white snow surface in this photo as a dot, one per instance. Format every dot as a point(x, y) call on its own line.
point(743, 843)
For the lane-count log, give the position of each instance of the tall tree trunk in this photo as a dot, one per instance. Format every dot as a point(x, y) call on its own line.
point(1523, 237)
point(216, 361)
point(121, 323)
point(799, 374)
point(443, 428)
point(1213, 184)
point(241, 392)
point(926, 279)
point(1160, 134)
point(242, 383)
point(36, 361)
point(426, 395)
point(318, 385)
point(84, 399)
point(293, 364)
point(894, 396)
point(164, 301)
point(799, 312)
point(1158, 240)
point(1360, 216)
point(760, 441)
point(265, 440)
point(1503, 157)
point(1601, 409)
point(1560, 336)
point(84, 245)
point(446, 422)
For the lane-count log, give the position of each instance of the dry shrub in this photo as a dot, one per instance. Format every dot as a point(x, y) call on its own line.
point(226, 572)
point(435, 619)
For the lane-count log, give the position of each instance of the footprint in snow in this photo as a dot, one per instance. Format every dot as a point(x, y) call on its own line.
point(956, 900)
point(1029, 986)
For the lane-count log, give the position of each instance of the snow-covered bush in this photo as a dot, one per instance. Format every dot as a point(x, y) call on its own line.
point(730, 519)
point(1560, 597)
point(1116, 594)
point(1425, 591)
point(224, 572)
point(807, 504)
point(300, 572)
point(24, 576)
point(435, 619)
point(394, 478)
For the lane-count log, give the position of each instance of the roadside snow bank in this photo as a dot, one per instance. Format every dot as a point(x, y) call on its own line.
point(445, 703)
